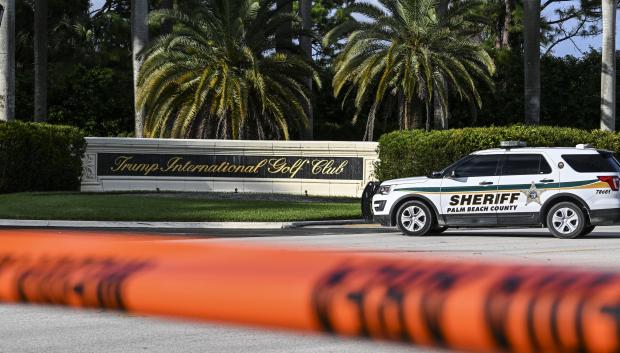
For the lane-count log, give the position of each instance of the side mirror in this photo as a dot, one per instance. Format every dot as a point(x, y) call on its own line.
point(436, 175)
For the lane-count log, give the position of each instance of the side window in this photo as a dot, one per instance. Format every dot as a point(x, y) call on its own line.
point(481, 165)
point(524, 164)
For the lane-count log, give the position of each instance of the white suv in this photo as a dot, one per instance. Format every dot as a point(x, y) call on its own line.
point(568, 190)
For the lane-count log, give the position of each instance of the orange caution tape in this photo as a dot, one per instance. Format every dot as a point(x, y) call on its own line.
point(463, 305)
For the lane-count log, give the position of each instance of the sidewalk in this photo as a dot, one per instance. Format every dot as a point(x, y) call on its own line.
point(171, 225)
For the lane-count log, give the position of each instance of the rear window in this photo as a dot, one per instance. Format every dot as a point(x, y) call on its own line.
point(592, 163)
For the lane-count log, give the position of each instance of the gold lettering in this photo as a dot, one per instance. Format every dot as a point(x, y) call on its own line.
point(297, 167)
point(340, 168)
point(277, 166)
point(260, 164)
point(173, 165)
point(326, 167)
point(120, 163)
point(273, 166)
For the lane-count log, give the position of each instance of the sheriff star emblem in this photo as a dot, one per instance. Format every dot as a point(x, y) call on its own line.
point(532, 194)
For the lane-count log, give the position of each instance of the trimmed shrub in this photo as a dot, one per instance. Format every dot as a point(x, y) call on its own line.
point(40, 157)
point(415, 152)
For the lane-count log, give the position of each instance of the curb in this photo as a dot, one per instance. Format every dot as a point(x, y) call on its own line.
point(170, 225)
point(341, 222)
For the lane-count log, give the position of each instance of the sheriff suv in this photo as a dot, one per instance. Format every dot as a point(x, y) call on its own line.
point(567, 190)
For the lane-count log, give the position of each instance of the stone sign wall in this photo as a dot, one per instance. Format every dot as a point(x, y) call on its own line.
point(290, 167)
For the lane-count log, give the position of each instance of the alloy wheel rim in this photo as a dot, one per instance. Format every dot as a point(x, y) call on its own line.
point(565, 220)
point(413, 218)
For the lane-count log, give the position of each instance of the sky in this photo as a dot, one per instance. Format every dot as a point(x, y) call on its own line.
point(562, 49)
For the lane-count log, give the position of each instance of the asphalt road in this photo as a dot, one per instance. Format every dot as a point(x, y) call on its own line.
point(39, 329)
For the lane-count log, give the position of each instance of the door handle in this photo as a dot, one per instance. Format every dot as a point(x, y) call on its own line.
point(486, 183)
point(546, 180)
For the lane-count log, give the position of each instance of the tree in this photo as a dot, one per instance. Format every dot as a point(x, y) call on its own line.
point(400, 54)
point(305, 42)
point(166, 5)
point(218, 74)
point(7, 61)
point(440, 115)
point(140, 37)
point(531, 60)
point(284, 34)
point(40, 60)
point(568, 20)
point(608, 68)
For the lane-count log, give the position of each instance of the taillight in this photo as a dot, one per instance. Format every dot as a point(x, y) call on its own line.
point(613, 181)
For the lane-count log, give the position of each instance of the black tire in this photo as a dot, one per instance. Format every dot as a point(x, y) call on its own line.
point(566, 220)
point(438, 229)
point(414, 218)
point(587, 230)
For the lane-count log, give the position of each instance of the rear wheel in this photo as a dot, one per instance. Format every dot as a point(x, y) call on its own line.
point(414, 218)
point(566, 220)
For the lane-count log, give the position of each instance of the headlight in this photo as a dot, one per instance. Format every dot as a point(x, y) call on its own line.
point(384, 189)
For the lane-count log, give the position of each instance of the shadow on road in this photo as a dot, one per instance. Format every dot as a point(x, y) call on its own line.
point(323, 231)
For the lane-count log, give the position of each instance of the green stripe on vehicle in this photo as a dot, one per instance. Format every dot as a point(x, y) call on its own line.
point(571, 184)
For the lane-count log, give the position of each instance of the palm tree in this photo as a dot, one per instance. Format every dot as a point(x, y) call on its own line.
point(404, 49)
point(608, 69)
point(139, 39)
point(7, 61)
point(440, 115)
point(284, 34)
point(531, 60)
point(218, 74)
point(40, 60)
point(305, 42)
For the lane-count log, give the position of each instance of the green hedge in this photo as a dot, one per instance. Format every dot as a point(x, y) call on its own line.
point(416, 152)
point(40, 157)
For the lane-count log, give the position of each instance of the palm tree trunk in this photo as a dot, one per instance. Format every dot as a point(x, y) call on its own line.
point(140, 37)
point(166, 27)
point(441, 115)
point(506, 26)
point(305, 8)
point(405, 110)
point(608, 68)
point(40, 60)
point(7, 61)
point(416, 119)
point(531, 60)
point(428, 116)
point(401, 110)
point(284, 35)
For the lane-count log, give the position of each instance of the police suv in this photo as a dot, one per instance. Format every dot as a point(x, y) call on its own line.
point(568, 190)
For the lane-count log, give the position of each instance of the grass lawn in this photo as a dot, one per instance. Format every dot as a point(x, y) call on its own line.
point(167, 207)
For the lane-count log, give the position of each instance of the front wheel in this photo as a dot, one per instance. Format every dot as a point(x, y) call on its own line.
point(414, 218)
point(566, 220)
point(587, 230)
point(438, 229)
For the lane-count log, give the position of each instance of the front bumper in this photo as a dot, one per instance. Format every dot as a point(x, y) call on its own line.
point(384, 220)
